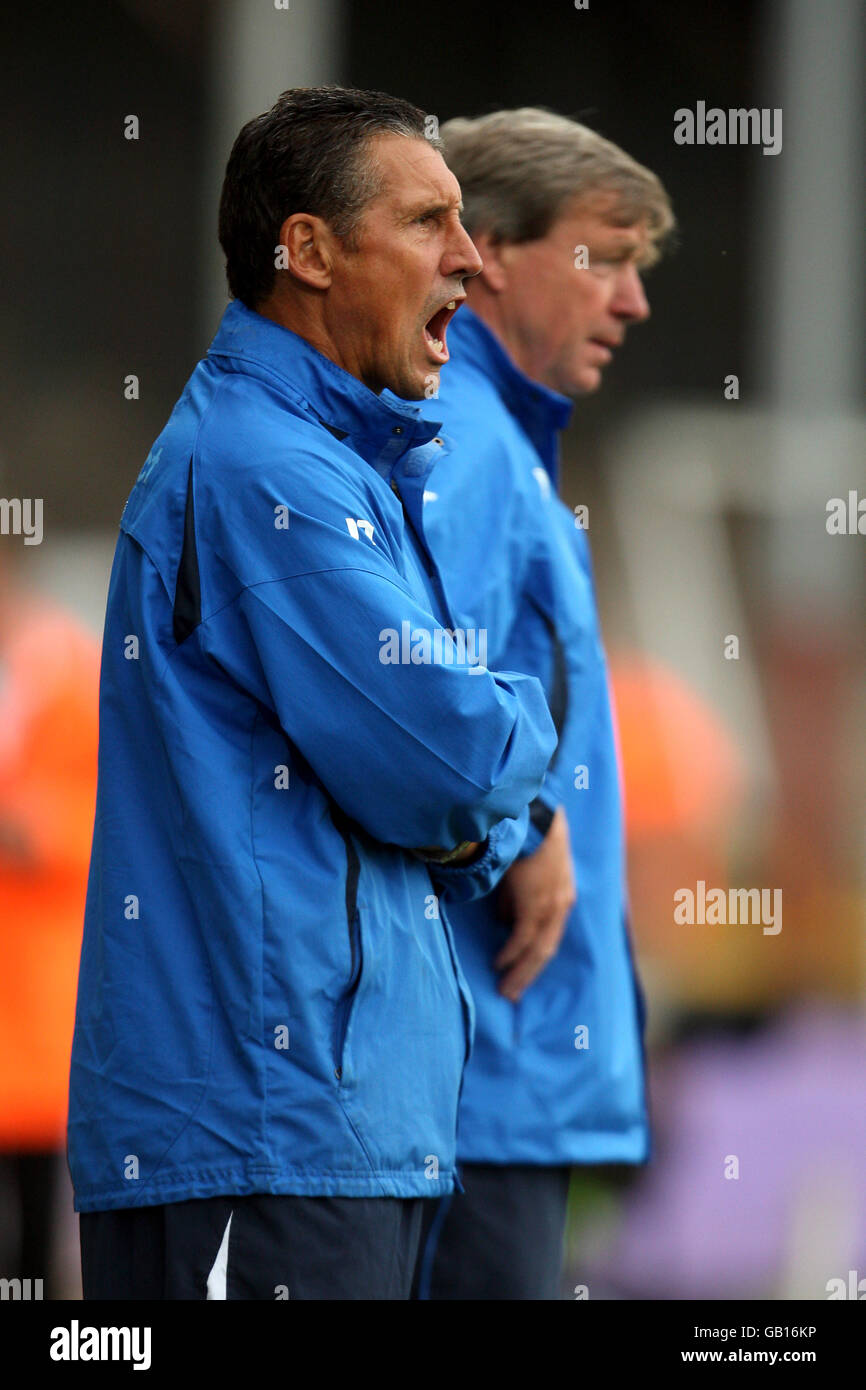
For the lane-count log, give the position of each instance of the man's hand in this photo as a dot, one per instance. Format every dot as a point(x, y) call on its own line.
point(536, 895)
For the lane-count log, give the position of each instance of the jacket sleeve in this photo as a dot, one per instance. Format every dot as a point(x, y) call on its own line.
point(562, 704)
point(460, 882)
point(418, 752)
point(546, 599)
point(521, 597)
point(561, 587)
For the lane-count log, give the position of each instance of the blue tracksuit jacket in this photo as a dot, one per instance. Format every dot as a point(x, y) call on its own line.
point(269, 999)
point(559, 1077)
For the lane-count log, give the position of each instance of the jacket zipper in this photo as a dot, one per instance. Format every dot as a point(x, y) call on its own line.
point(426, 555)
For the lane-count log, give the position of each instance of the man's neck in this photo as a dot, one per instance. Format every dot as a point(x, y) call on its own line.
point(306, 320)
point(490, 309)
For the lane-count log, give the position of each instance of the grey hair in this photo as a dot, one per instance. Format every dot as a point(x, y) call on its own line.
point(519, 169)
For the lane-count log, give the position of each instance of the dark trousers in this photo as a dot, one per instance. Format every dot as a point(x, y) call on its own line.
point(30, 1183)
point(499, 1239)
point(256, 1247)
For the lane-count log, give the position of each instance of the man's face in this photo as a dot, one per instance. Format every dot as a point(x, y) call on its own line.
point(562, 320)
point(392, 296)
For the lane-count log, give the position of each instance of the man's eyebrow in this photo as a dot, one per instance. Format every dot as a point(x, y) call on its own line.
point(433, 208)
point(613, 245)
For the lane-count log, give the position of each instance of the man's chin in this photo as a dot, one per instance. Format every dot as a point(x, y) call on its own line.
point(416, 386)
point(585, 382)
point(574, 379)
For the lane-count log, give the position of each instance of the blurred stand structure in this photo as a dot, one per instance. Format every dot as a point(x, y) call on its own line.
point(255, 52)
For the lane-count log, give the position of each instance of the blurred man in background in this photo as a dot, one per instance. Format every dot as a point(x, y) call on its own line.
point(564, 222)
point(49, 674)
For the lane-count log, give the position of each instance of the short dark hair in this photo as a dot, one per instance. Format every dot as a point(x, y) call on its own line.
point(304, 155)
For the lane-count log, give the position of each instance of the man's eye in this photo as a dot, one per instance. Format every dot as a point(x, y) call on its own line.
point(427, 217)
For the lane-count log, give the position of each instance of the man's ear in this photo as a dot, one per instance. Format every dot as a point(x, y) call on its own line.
point(304, 250)
point(493, 252)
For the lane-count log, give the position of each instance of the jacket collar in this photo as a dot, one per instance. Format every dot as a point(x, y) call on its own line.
point(542, 413)
point(381, 429)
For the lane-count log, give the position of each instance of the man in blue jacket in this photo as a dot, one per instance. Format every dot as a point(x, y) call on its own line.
point(564, 221)
point(297, 760)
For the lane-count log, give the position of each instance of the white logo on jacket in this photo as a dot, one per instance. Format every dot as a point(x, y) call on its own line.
point(541, 477)
point(356, 525)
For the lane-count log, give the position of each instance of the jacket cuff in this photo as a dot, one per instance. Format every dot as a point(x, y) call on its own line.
point(461, 882)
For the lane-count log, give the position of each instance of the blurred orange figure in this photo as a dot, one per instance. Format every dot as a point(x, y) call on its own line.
point(49, 676)
point(683, 772)
point(686, 789)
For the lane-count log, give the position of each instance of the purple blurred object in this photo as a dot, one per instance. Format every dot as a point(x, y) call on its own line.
point(789, 1103)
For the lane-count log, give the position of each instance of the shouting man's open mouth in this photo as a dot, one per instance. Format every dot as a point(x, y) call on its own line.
point(435, 327)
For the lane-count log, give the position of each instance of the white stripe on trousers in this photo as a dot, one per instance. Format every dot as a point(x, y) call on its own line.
point(216, 1280)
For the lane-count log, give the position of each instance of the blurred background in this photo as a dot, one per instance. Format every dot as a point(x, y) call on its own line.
point(708, 506)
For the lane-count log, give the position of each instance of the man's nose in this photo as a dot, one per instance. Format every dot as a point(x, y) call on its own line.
point(630, 301)
point(461, 258)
